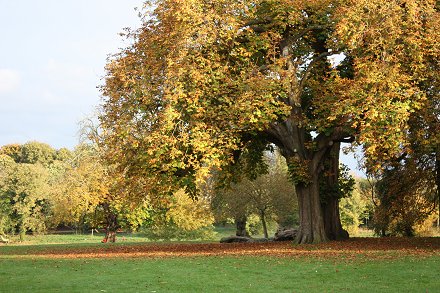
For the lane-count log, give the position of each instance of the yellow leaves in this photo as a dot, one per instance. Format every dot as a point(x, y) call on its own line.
point(391, 32)
point(203, 74)
point(241, 52)
point(189, 214)
point(373, 25)
point(380, 101)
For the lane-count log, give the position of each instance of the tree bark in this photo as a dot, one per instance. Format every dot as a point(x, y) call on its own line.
point(305, 156)
point(311, 229)
point(330, 206)
point(332, 221)
point(240, 223)
point(305, 167)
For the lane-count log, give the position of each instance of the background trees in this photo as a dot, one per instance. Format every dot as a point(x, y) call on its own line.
point(182, 218)
point(79, 189)
point(270, 196)
point(42, 188)
point(25, 187)
point(356, 210)
point(407, 199)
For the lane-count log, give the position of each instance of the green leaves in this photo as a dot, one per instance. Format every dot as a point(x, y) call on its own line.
point(24, 197)
point(299, 171)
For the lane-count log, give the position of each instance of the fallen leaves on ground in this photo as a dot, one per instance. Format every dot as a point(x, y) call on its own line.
point(371, 248)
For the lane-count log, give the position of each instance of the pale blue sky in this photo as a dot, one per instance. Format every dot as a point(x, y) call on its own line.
point(52, 57)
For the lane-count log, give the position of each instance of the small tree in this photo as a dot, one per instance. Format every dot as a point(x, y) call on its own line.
point(354, 209)
point(29, 176)
point(229, 203)
point(80, 189)
point(269, 196)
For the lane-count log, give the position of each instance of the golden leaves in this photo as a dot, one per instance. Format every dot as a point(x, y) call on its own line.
point(189, 214)
point(201, 75)
point(391, 47)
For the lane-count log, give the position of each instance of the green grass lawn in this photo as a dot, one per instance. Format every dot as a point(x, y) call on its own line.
point(73, 238)
point(216, 274)
point(22, 271)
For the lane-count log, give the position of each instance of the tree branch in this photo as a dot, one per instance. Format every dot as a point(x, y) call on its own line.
point(310, 67)
point(324, 142)
point(256, 24)
point(349, 139)
point(303, 32)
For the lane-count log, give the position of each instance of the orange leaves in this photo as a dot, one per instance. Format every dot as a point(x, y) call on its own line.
point(357, 248)
point(391, 31)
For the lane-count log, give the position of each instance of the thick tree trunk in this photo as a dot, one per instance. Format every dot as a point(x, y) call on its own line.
point(305, 167)
point(21, 229)
point(332, 221)
point(240, 223)
point(311, 229)
point(330, 206)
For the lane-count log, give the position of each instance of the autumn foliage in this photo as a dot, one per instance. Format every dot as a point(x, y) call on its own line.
point(207, 81)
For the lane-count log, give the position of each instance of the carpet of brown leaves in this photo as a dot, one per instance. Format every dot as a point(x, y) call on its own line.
point(371, 248)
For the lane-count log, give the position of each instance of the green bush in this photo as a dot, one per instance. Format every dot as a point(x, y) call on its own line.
point(173, 232)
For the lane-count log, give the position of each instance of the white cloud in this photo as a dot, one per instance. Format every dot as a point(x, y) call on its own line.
point(9, 80)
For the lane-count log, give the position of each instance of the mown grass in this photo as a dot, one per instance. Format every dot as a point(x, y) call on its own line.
point(71, 237)
point(219, 274)
point(22, 271)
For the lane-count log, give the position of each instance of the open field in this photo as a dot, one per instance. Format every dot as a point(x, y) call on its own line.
point(356, 265)
point(70, 237)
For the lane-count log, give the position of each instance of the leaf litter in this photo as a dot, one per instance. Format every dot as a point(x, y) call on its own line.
point(354, 248)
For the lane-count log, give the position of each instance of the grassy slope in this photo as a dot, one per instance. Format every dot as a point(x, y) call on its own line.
point(216, 274)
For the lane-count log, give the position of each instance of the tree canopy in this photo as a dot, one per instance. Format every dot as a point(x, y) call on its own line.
point(207, 81)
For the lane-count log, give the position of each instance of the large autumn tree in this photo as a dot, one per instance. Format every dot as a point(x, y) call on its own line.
point(207, 81)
